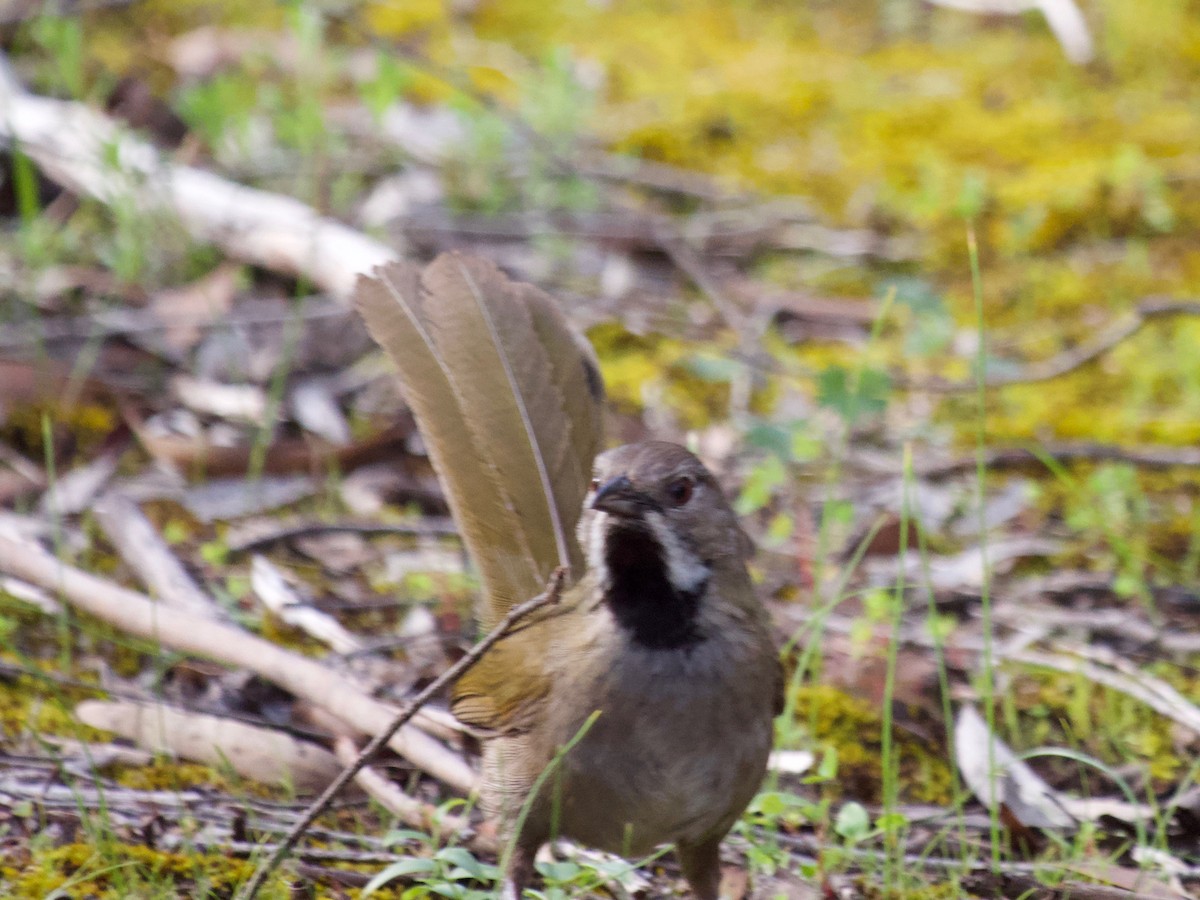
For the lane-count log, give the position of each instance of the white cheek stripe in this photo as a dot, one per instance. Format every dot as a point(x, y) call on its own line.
point(686, 572)
point(595, 548)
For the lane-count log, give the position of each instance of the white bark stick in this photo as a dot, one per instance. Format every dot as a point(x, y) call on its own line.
point(269, 585)
point(1062, 16)
point(138, 615)
point(263, 754)
point(91, 154)
point(147, 554)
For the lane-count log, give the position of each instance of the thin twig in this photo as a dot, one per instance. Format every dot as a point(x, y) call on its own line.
point(689, 263)
point(136, 614)
point(550, 595)
point(1149, 457)
point(132, 322)
point(1148, 310)
point(428, 526)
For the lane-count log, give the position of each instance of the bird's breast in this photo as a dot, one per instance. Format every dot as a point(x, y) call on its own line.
point(679, 746)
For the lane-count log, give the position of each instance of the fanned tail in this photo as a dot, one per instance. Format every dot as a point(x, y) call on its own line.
point(507, 397)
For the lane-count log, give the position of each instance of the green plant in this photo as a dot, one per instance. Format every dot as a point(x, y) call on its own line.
point(390, 81)
point(61, 39)
point(449, 872)
point(1110, 509)
point(38, 239)
point(508, 163)
point(220, 109)
point(558, 107)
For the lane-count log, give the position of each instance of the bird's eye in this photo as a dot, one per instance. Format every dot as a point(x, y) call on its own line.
point(595, 486)
point(680, 490)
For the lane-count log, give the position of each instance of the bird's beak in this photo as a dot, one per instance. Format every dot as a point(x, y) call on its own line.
point(619, 497)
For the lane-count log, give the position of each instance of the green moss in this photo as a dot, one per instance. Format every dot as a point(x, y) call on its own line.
point(1064, 710)
point(31, 707)
point(170, 775)
point(114, 871)
point(81, 426)
point(921, 132)
point(853, 729)
point(653, 370)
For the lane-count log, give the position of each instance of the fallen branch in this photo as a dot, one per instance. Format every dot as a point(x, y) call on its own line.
point(147, 554)
point(1149, 310)
point(1107, 668)
point(412, 812)
point(1114, 621)
point(270, 586)
point(456, 671)
point(1091, 663)
point(90, 154)
point(1062, 16)
point(138, 615)
point(262, 754)
point(1021, 458)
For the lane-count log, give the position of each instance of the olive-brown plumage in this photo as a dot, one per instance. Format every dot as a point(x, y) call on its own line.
point(660, 634)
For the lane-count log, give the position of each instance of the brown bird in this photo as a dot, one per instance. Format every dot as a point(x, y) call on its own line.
point(657, 668)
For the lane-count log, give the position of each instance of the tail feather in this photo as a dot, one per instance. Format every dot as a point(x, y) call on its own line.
point(508, 402)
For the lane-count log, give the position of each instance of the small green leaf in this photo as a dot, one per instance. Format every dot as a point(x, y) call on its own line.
point(828, 769)
point(713, 367)
point(779, 529)
point(564, 870)
point(940, 627)
point(215, 553)
point(410, 865)
point(771, 437)
point(839, 512)
point(850, 397)
point(404, 836)
point(852, 822)
point(760, 484)
point(805, 445)
point(890, 822)
point(390, 82)
point(466, 861)
point(770, 803)
point(175, 532)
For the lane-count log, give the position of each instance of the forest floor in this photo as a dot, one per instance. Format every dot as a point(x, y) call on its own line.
point(922, 286)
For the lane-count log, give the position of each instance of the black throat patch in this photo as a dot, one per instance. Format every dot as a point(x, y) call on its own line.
point(640, 593)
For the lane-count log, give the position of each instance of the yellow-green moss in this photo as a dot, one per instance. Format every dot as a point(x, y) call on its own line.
point(1081, 181)
point(1064, 710)
point(921, 132)
point(853, 729)
point(83, 425)
point(115, 871)
point(32, 707)
point(170, 775)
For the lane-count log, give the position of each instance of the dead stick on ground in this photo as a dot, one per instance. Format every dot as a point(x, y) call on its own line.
point(144, 550)
point(1149, 310)
point(550, 595)
point(228, 644)
point(93, 155)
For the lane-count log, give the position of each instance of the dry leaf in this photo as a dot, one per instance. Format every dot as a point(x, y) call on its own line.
point(997, 778)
